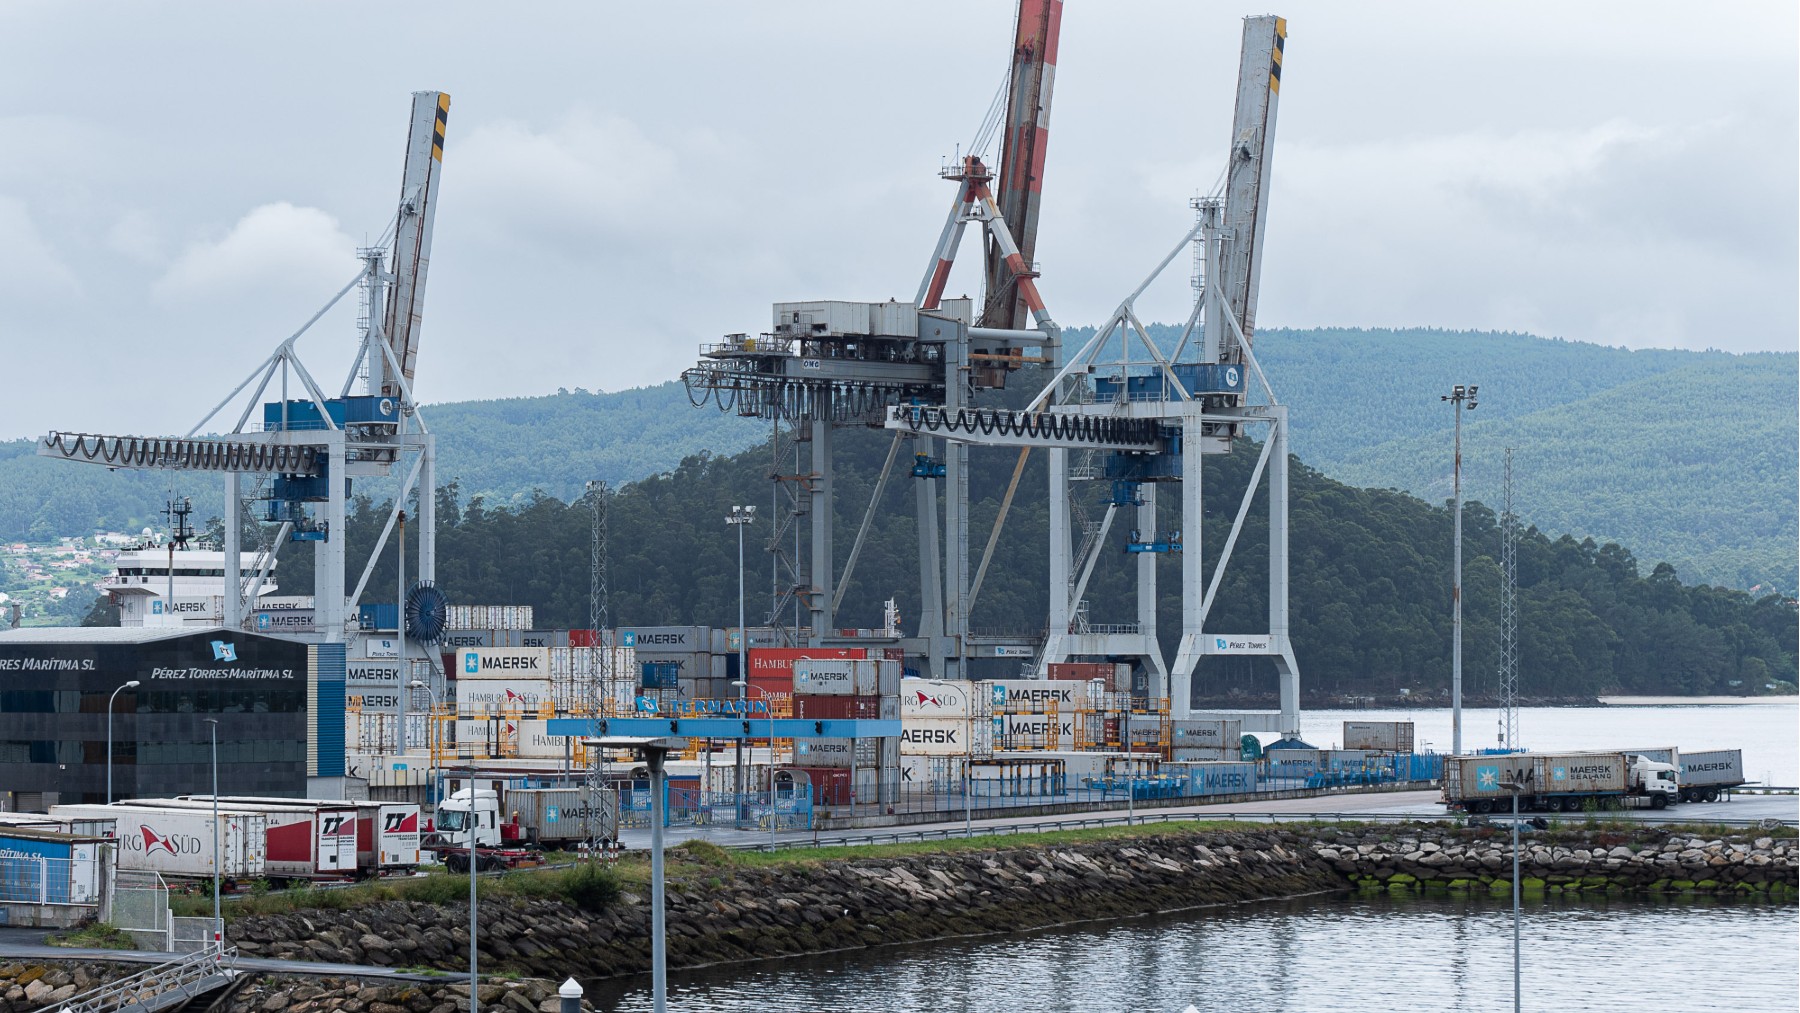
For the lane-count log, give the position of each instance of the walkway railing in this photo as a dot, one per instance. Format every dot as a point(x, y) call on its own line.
point(159, 987)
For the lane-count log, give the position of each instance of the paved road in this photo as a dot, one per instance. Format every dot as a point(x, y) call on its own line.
point(12, 949)
point(1371, 805)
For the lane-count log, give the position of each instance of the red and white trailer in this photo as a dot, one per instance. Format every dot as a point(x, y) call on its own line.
point(387, 833)
point(316, 842)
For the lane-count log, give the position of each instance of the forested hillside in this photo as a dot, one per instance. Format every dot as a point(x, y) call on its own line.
point(1371, 579)
point(1689, 457)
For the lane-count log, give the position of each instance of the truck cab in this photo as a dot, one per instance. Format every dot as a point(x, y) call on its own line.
point(1656, 779)
point(469, 810)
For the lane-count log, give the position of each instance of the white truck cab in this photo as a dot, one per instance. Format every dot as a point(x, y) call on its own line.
point(478, 808)
point(1653, 778)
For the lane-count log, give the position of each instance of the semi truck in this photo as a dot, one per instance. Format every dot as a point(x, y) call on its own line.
point(299, 841)
point(1569, 782)
point(1706, 776)
point(178, 843)
point(387, 833)
point(509, 824)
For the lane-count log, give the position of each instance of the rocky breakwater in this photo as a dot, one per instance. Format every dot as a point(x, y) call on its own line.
point(32, 985)
point(1637, 861)
point(720, 910)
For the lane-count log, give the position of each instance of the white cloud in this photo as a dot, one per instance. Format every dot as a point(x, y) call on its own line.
point(30, 269)
point(136, 236)
point(587, 175)
point(276, 248)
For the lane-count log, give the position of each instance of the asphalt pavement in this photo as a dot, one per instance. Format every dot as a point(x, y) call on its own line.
point(1388, 805)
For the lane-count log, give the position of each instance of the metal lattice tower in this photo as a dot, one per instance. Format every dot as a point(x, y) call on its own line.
point(1509, 614)
point(788, 574)
point(600, 670)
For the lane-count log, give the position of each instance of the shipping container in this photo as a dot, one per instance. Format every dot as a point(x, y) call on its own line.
point(836, 753)
point(842, 786)
point(1023, 696)
point(477, 697)
point(1201, 754)
point(1705, 774)
point(304, 841)
point(920, 773)
point(1300, 756)
point(867, 677)
point(558, 816)
point(387, 833)
point(494, 736)
point(847, 708)
point(1032, 731)
point(544, 638)
point(1219, 778)
point(1567, 781)
point(935, 736)
point(773, 667)
point(1082, 671)
point(535, 742)
point(1206, 734)
point(179, 842)
point(1382, 736)
point(932, 698)
point(476, 663)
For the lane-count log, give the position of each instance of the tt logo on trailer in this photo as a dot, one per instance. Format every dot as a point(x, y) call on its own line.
point(332, 826)
point(400, 823)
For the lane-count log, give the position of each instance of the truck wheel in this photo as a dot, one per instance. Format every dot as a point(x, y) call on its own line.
point(1659, 801)
point(1482, 806)
point(1712, 794)
point(1571, 804)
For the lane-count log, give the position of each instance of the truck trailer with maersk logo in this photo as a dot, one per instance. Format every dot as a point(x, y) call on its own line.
point(1553, 782)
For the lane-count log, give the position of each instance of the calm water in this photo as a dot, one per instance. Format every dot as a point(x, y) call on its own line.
point(1340, 954)
point(1768, 733)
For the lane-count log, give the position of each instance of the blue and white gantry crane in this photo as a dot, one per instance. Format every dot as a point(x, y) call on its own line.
point(297, 455)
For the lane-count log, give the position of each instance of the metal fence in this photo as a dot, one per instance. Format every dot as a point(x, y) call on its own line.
point(44, 879)
point(140, 907)
point(789, 808)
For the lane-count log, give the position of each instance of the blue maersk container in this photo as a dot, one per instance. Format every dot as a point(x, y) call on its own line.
point(1197, 377)
point(302, 414)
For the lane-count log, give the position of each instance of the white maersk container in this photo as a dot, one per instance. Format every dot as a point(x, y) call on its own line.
point(1215, 734)
point(179, 842)
point(837, 753)
point(1023, 696)
point(870, 677)
point(941, 736)
point(531, 663)
point(1032, 731)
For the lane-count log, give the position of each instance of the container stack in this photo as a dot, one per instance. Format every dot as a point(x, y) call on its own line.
point(1205, 741)
point(1379, 736)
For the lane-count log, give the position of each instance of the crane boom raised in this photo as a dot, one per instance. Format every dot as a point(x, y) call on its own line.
point(412, 238)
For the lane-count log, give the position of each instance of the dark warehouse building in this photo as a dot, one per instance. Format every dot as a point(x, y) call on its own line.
point(58, 684)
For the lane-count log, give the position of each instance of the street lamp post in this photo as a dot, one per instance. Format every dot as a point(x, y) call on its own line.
point(133, 684)
point(218, 921)
point(430, 718)
point(739, 518)
point(1461, 398)
point(742, 685)
point(1514, 786)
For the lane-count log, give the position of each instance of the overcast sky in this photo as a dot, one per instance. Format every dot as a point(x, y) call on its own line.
point(181, 185)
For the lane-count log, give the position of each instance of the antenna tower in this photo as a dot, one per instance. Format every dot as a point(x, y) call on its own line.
point(600, 671)
point(1509, 614)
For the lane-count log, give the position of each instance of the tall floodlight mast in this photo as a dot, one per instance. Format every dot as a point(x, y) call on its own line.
point(303, 451)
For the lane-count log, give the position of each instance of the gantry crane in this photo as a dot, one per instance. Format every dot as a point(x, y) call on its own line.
point(299, 455)
point(829, 364)
point(1149, 416)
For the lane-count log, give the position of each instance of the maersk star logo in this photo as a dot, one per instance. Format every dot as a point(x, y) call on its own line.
point(223, 651)
point(1559, 773)
point(156, 607)
point(1487, 778)
point(471, 664)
